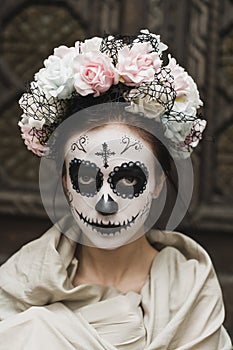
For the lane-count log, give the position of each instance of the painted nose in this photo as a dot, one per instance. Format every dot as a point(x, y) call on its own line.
point(106, 205)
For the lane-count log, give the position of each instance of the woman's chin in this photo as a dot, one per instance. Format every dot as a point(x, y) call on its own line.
point(109, 238)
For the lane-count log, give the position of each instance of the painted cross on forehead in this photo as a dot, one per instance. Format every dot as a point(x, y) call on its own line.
point(105, 154)
point(127, 178)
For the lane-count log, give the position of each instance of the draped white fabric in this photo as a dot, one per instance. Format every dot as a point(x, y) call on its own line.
point(179, 307)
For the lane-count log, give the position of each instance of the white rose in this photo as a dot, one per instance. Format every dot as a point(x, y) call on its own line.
point(56, 79)
point(32, 122)
point(150, 108)
point(177, 131)
point(151, 99)
point(63, 50)
point(91, 44)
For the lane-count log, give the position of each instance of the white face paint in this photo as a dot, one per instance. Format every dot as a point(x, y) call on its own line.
point(110, 179)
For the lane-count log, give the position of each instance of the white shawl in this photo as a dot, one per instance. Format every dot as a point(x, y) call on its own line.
point(180, 306)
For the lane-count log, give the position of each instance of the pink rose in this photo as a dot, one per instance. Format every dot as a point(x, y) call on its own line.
point(30, 140)
point(138, 64)
point(180, 77)
point(187, 96)
point(94, 73)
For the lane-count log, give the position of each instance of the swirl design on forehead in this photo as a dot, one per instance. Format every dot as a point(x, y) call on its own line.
point(129, 180)
point(79, 144)
point(86, 177)
point(130, 143)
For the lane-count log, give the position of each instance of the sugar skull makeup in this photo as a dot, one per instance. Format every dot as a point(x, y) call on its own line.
point(110, 181)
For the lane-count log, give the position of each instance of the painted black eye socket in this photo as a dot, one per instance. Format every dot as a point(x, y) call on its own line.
point(128, 180)
point(86, 177)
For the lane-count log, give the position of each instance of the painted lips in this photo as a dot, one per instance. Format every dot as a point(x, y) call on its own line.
point(110, 227)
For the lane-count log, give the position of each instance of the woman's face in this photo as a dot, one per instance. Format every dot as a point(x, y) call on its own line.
point(110, 182)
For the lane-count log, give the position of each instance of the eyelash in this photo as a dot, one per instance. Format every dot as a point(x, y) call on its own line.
point(134, 189)
point(91, 180)
point(131, 183)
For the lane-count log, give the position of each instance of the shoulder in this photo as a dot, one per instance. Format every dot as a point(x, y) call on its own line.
point(34, 274)
point(186, 264)
point(184, 279)
point(29, 251)
point(35, 252)
point(179, 247)
point(33, 261)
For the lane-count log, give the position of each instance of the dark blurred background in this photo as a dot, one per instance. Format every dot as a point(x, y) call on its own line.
point(199, 34)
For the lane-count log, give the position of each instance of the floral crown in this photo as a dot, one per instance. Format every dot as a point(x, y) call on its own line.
point(134, 66)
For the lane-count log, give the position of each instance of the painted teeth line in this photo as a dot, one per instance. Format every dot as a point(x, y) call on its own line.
point(99, 226)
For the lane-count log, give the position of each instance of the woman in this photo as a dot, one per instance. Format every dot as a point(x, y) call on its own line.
point(112, 115)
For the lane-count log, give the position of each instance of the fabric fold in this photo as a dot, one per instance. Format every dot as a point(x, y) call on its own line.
point(179, 307)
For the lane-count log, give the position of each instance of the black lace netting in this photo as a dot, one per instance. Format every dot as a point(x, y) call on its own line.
point(161, 90)
point(195, 133)
point(174, 116)
point(148, 37)
point(37, 105)
point(110, 44)
point(43, 134)
point(114, 94)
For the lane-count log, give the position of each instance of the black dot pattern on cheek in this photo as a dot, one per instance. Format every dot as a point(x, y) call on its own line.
point(86, 177)
point(129, 180)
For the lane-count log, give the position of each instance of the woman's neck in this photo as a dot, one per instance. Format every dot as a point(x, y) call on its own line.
point(122, 267)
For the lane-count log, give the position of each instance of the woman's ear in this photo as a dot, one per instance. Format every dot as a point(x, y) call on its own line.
point(159, 185)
